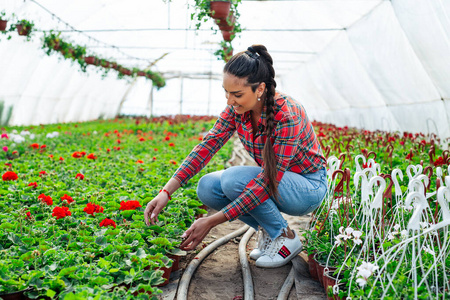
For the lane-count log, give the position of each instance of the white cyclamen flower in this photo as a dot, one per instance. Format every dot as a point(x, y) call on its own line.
point(357, 237)
point(428, 250)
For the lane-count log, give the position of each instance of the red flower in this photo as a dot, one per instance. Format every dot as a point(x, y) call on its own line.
point(9, 175)
point(200, 138)
point(172, 162)
point(61, 159)
point(67, 198)
point(439, 162)
point(34, 146)
point(154, 157)
point(118, 141)
point(79, 176)
point(92, 208)
point(28, 217)
point(402, 143)
point(139, 161)
point(15, 152)
point(43, 146)
point(321, 134)
point(129, 205)
point(367, 165)
point(167, 138)
point(61, 212)
point(107, 222)
point(142, 139)
point(42, 173)
point(409, 156)
point(108, 150)
point(156, 149)
point(76, 154)
point(171, 145)
point(51, 156)
point(8, 164)
point(83, 153)
point(46, 199)
point(33, 184)
point(91, 156)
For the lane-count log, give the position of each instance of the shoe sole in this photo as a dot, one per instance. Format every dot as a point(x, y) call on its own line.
point(281, 263)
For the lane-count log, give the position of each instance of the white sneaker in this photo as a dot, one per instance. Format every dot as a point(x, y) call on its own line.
point(279, 252)
point(263, 241)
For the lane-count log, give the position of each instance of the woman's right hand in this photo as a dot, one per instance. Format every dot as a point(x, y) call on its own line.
point(154, 207)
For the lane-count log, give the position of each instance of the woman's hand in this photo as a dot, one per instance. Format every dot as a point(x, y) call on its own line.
point(199, 229)
point(195, 234)
point(154, 207)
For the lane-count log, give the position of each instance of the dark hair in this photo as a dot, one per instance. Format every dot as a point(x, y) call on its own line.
point(256, 65)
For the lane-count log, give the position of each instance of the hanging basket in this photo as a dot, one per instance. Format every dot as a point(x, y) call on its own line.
point(220, 9)
point(3, 25)
point(227, 35)
point(224, 22)
point(90, 60)
point(22, 30)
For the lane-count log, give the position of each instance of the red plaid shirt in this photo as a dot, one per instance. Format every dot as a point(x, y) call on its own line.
point(294, 141)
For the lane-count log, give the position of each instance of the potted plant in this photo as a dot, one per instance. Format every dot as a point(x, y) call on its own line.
point(24, 28)
point(3, 21)
point(225, 52)
point(205, 9)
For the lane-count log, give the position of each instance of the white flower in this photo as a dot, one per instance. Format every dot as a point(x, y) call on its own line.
point(94, 132)
point(52, 134)
point(348, 233)
point(396, 227)
point(357, 234)
point(341, 230)
point(24, 132)
point(32, 136)
point(17, 138)
point(390, 236)
point(365, 270)
point(428, 250)
point(404, 233)
point(338, 240)
point(14, 131)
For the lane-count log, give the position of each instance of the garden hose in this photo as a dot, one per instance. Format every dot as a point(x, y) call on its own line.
point(287, 286)
point(246, 273)
point(190, 270)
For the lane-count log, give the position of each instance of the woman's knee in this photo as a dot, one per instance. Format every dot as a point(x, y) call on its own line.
point(235, 179)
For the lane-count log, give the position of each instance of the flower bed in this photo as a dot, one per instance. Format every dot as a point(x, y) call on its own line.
point(383, 226)
point(71, 206)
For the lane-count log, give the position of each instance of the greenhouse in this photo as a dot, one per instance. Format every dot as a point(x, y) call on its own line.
point(230, 149)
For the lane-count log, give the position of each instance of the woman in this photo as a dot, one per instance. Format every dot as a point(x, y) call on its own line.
point(291, 177)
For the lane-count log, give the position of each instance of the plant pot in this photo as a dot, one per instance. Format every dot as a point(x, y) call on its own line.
point(90, 60)
point(329, 282)
point(227, 35)
point(3, 25)
point(224, 22)
point(19, 295)
point(220, 9)
point(22, 30)
point(312, 263)
point(125, 71)
point(176, 262)
point(166, 275)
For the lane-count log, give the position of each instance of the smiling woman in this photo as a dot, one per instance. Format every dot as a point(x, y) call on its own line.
point(277, 133)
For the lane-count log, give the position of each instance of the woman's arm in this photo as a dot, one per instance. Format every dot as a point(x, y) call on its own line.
point(155, 206)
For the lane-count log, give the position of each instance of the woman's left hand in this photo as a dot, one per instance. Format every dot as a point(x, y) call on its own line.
point(196, 233)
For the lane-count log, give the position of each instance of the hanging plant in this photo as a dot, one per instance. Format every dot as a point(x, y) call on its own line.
point(25, 28)
point(225, 52)
point(203, 11)
point(3, 21)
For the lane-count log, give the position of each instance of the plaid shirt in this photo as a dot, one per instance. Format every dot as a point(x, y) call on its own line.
point(294, 141)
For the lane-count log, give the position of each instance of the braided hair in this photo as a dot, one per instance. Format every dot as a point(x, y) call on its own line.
point(256, 65)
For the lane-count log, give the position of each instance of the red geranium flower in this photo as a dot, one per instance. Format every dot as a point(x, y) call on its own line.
point(28, 217)
point(139, 161)
point(171, 145)
point(118, 141)
point(167, 138)
point(439, 162)
point(46, 199)
point(91, 156)
point(42, 173)
point(156, 149)
point(76, 154)
point(8, 164)
point(172, 162)
point(129, 205)
point(79, 176)
point(142, 139)
point(61, 212)
point(33, 184)
point(154, 157)
point(61, 159)
point(43, 146)
point(409, 156)
point(67, 198)
point(107, 222)
point(108, 150)
point(34, 146)
point(15, 152)
point(83, 153)
point(92, 208)
point(51, 156)
point(9, 175)
point(402, 143)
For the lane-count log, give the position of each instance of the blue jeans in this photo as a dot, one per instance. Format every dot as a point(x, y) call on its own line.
point(299, 194)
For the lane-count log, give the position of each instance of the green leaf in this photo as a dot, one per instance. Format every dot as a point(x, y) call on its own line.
point(102, 263)
point(50, 293)
point(101, 240)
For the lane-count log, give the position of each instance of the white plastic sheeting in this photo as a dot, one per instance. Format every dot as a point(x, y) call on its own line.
point(367, 63)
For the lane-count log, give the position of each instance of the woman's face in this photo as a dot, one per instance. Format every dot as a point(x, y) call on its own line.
point(240, 95)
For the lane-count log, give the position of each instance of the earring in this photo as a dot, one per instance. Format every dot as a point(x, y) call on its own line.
point(259, 99)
